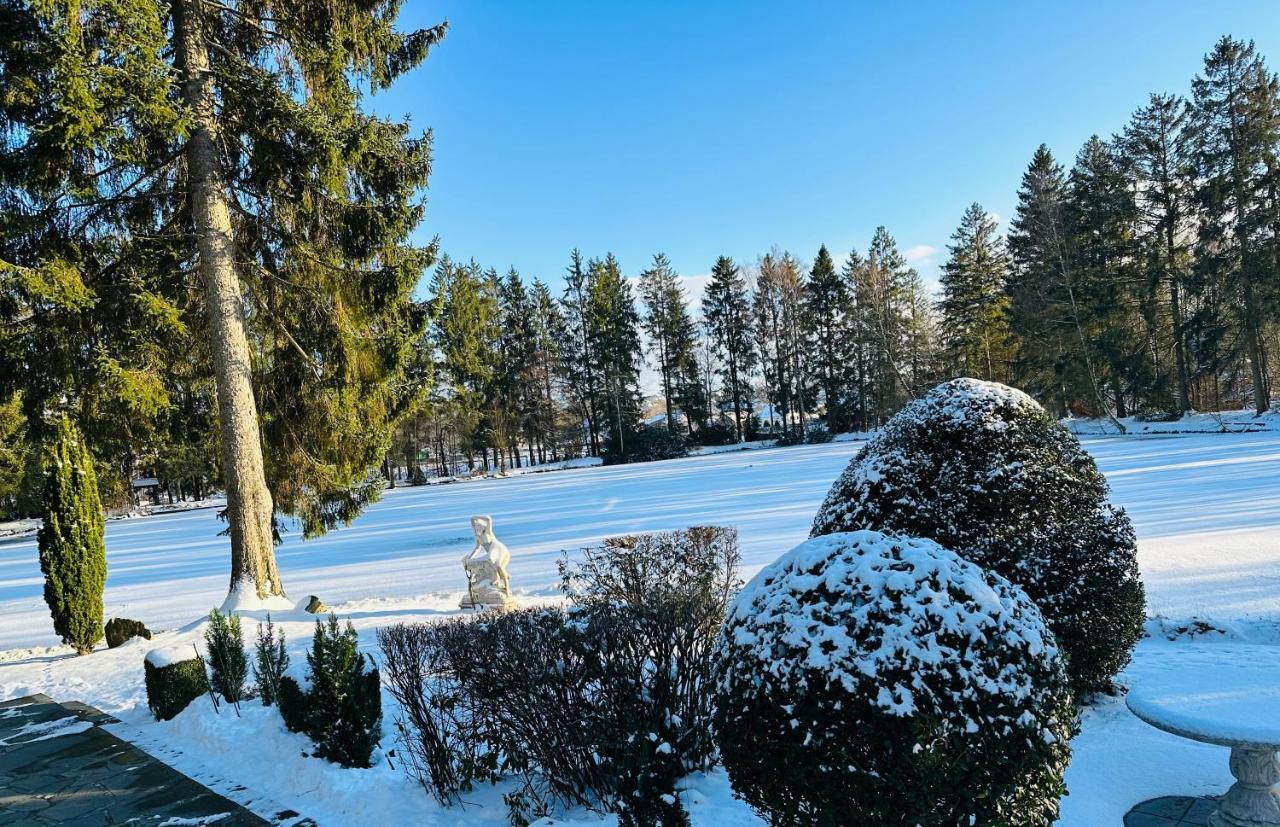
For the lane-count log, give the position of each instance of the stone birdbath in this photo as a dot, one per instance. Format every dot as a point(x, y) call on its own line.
point(1236, 707)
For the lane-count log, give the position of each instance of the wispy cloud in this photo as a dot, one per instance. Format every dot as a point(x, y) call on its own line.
point(919, 254)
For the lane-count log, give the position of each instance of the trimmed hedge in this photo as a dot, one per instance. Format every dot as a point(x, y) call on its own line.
point(886, 678)
point(171, 687)
point(985, 471)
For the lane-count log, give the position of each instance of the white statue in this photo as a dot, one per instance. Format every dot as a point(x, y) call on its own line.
point(488, 585)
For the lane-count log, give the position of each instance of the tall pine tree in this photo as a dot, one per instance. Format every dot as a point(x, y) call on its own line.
point(977, 341)
point(1237, 128)
point(827, 317)
point(227, 144)
point(672, 336)
point(1157, 149)
point(726, 312)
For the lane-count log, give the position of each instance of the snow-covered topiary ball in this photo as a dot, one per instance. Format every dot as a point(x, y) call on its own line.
point(985, 471)
point(864, 678)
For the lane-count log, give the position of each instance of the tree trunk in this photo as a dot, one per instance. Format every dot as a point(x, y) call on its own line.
point(249, 507)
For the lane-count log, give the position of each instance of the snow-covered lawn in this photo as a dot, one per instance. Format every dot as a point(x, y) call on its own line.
point(1206, 508)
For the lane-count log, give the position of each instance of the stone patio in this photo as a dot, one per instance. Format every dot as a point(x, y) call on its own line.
point(1171, 811)
point(59, 767)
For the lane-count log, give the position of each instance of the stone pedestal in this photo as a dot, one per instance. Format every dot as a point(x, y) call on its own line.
point(488, 601)
point(1253, 801)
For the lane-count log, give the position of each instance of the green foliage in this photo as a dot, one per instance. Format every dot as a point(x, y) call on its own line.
point(224, 644)
point(888, 678)
point(294, 705)
point(73, 555)
point(985, 471)
point(345, 698)
point(342, 710)
point(726, 312)
point(673, 339)
point(614, 331)
point(270, 662)
point(974, 306)
point(15, 453)
point(171, 688)
point(97, 242)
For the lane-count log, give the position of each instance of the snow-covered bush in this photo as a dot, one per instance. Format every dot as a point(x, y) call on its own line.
point(868, 674)
point(174, 679)
point(985, 471)
point(341, 709)
point(228, 663)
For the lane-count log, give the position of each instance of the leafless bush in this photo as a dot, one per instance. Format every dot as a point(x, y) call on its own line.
point(439, 737)
point(605, 704)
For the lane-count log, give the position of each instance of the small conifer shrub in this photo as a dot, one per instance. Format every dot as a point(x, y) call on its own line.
point(73, 555)
point(228, 663)
point(341, 710)
point(270, 661)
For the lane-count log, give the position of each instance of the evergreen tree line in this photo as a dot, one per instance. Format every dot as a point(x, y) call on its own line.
point(1144, 280)
point(521, 376)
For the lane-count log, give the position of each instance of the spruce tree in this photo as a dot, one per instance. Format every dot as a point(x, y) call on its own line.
point(1236, 119)
point(465, 337)
point(89, 312)
point(671, 333)
point(227, 144)
point(15, 450)
point(577, 347)
point(614, 333)
point(1036, 244)
point(862, 341)
point(826, 306)
point(891, 299)
point(547, 333)
point(769, 339)
point(1109, 294)
point(73, 555)
point(974, 306)
point(726, 312)
point(1157, 150)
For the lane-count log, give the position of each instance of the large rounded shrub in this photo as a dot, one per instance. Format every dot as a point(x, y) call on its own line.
point(864, 678)
point(985, 471)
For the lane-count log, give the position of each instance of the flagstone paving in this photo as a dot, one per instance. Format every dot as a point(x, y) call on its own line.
point(1171, 811)
point(58, 766)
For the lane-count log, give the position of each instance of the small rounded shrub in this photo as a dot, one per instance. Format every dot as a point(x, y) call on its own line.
point(172, 682)
point(864, 678)
point(985, 471)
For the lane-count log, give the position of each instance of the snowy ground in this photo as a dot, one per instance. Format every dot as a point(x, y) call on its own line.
point(1206, 508)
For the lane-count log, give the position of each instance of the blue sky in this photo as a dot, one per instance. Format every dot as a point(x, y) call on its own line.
point(701, 129)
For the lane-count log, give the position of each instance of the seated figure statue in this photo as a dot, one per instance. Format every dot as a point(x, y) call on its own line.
point(488, 585)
